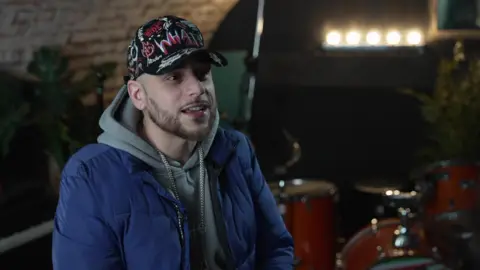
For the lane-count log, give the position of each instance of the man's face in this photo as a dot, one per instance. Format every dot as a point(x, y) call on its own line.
point(181, 102)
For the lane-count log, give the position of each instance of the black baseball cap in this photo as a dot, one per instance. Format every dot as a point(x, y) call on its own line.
point(162, 44)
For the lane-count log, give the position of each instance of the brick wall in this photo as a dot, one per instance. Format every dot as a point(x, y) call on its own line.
point(91, 31)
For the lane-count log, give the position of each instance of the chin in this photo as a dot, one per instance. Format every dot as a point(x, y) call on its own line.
point(199, 129)
point(196, 129)
point(198, 135)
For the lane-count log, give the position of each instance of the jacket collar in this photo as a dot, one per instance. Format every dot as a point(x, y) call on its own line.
point(223, 147)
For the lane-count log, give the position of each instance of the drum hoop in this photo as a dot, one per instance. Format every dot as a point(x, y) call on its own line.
point(299, 197)
point(366, 229)
point(311, 181)
point(363, 188)
point(387, 259)
point(421, 172)
point(331, 191)
point(452, 214)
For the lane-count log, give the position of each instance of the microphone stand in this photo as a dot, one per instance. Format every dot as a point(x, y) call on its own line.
point(251, 63)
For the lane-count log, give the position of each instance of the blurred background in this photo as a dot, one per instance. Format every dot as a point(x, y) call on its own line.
point(354, 96)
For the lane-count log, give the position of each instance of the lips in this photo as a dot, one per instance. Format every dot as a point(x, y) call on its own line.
point(197, 107)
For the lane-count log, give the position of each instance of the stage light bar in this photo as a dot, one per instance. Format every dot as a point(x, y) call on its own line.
point(414, 38)
point(393, 38)
point(373, 38)
point(334, 38)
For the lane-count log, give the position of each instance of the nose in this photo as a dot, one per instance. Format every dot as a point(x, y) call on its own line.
point(194, 86)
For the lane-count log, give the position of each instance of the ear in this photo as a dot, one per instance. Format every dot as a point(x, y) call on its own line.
point(137, 94)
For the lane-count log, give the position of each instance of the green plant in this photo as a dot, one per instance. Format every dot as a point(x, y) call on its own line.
point(55, 94)
point(13, 110)
point(452, 112)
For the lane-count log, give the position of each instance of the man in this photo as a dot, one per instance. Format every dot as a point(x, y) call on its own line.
point(166, 188)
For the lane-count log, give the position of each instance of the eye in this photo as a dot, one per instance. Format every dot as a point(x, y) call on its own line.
point(173, 77)
point(203, 74)
point(203, 77)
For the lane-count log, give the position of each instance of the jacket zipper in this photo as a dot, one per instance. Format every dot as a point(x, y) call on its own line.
point(216, 174)
point(181, 217)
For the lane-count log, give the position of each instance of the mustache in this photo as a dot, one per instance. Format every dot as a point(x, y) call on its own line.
point(205, 100)
point(203, 103)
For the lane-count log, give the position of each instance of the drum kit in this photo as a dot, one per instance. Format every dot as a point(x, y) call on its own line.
point(430, 229)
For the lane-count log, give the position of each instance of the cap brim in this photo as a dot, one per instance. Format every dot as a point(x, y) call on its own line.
point(177, 59)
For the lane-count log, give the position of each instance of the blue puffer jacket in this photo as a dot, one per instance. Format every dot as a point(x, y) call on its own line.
point(113, 215)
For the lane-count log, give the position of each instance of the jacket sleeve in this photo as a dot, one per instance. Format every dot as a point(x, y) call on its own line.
point(81, 238)
point(274, 243)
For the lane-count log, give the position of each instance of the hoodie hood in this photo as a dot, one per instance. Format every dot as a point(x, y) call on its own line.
point(119, 123)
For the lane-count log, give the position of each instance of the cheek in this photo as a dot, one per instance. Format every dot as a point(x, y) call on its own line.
point(211, 92)
point(166, 103)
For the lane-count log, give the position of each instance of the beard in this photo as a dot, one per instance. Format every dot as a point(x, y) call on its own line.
point(171, 123)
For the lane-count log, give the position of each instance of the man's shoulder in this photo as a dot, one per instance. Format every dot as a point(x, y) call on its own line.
point(232, 136)
point(230, 139)
point(233, 139)
point(92, 156)
point(98, 170)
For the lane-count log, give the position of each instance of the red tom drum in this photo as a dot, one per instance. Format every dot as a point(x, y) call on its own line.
point(449, 189)
point(308, 208)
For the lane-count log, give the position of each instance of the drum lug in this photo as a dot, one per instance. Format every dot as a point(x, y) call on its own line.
point(436, 254)
point(297, 261)
point(338, 261)
point(373, 225)
point(306, 201)
point(467, 183)
point(282, 208)
point(380, 252)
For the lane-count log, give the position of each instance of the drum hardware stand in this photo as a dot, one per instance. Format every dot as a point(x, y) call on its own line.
point(295, 157)
point(282, 198)
point(282, 170)
point(403, 239)
point(381, 253)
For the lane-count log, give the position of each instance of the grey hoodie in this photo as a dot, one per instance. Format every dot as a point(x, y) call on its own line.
point(119, 123)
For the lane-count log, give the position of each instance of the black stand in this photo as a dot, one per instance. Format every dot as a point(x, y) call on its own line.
point(101, 77)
